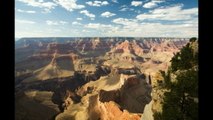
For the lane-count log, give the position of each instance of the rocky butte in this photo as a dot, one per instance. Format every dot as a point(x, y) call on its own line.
point(89, 78)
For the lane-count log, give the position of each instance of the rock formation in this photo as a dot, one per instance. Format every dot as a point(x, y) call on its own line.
point(90, 78)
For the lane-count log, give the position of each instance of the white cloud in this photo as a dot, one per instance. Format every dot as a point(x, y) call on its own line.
point(137, 28)
point(76, 23)
point(78, 18)
point(136, 3)
point(125, 8)
point(25, 11)
point(181, 23)
point(49, 22)
point(107, 14)
point(97, 3)
point(98, 26)
point(63, 22)
point(69, 5)
point(115, 1)
point(40, 3)
point(137, 11)
point(85, 30)
point(102, 29)
point(24, 21)
point(152, 4)
point(85, 12)
point(124, 21)
point(122, 6)
point(171, 13)
point(46, 11)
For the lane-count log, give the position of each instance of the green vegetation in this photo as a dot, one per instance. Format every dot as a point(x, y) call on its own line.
point(185, 59)
point(193, 39)
point(181, 100)
point(167, 78)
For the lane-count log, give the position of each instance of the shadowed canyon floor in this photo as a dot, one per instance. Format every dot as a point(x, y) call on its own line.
point(89, 78)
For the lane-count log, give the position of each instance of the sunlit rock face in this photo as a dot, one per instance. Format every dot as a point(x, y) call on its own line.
point(132, 96)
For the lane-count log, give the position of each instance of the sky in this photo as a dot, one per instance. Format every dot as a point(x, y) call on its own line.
point(106, 18)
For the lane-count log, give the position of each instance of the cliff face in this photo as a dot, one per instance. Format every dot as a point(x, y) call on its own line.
point(91, 78)
point(145, 46)
point(132, 96)
point(128, 47)
point(157, 96)
point(144, 50)
point(108, 111)
point(124, 98)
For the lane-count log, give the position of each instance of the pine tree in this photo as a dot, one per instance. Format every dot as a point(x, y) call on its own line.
point(181, 101)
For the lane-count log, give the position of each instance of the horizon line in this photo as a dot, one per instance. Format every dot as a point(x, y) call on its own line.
point(103, 37)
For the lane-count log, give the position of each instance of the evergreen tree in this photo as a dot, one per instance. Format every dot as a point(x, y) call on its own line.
point(181, 101)
point(193, 39)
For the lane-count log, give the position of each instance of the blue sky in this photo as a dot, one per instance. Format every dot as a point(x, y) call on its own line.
point(91, 18)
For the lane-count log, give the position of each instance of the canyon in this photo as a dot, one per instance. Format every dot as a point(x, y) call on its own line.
point(104, 78)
